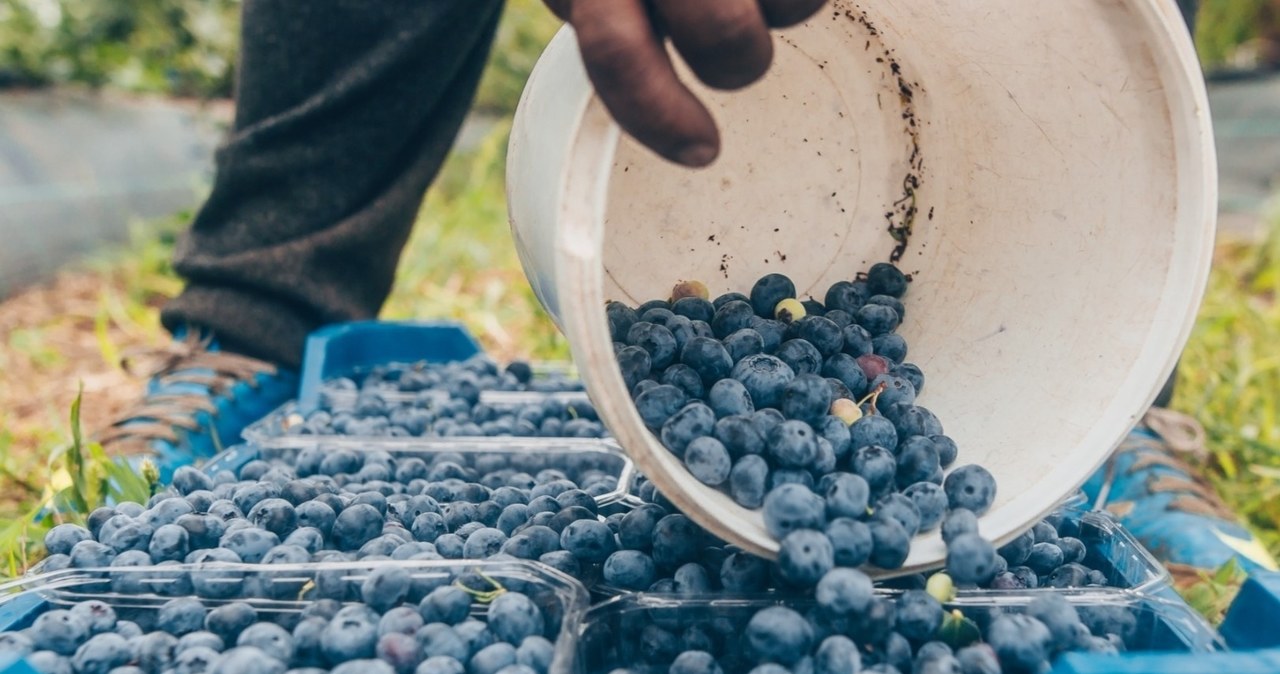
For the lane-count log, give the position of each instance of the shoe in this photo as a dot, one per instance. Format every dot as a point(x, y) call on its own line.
point(198, 401)
point(1159, 499)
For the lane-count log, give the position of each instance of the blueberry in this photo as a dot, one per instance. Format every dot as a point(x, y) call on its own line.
point(695, 662)
point(483, 543)
point(96, 614)
point(229, 620)
point(960, 521)
point(792, 507)
point(877, 466)
point(850, 540)
point(743, 343)
point(800, 356)
point(537, 653)
point(891, 346)
point(971, 560)
point(195, 660)
point(102, 653)
point(59, 631)
point(806, 398)
point(745, 573)
point(729, 397)
point(635, 363)
point(249, 543)
point(694, 420)
point(765, 378)
point(779, 634)
point(845, 368)
point(629, 570)
point(18, 643)
point(909, 420)
point(694, 308)
point(727, 298)
point(441, 664)
point(1021, 642)
point(970, 487)
point(947, 450)
point(270, 638)
point(978, 659)
point(822, 333)
point(708, 461)
point(1073, 549)
point(275, 515)
point(877, 319)
point(837, 655)
point(804, 556)
point(708, 358)
point(349, 636)
point(356, 525)
point(62, 538)
point(747, 481)
point(730, 318)
point(931, 502)
point(621, 318)
point(562, 561)
point(636, 529)
point(769, 291)
point(401, 651)
point(169, 543)
point(686, 379)
point(846, 495)
point(385, 587)
point(1017, 551)
point(182, 615)
point(873, 431)
point(899, 507)
point(588, 540)
point(739, 435)
point(440, 640)
point(891, 543)
point(1060, 617)
point(792, 444)
point(917, 460)
point(513, 617)
point(1044, 558)
point(657, 404)
point(676, 540)
point(656, 340)
point(247, 660)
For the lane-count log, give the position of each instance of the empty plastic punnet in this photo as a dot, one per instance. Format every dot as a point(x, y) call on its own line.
point(1054, 164)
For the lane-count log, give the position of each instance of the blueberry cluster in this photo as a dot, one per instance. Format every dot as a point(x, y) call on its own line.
point(431, 624)
point(808, 411)
point(445, 400)
point(346, 505)
point(850, 629)
point(726, 568)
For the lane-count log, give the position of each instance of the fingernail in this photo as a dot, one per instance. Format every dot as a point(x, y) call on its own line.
point(698, 155)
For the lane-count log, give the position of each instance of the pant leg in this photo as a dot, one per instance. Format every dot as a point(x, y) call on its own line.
point(345, 111)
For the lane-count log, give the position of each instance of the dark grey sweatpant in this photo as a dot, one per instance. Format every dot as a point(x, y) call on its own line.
point(345, 110)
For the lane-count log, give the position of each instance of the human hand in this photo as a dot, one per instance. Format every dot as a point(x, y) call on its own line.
point(726, 43)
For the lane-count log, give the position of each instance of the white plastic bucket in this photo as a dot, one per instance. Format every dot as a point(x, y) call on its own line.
point(1065, 214)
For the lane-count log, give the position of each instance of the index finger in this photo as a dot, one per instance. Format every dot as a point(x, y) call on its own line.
point(633, 75)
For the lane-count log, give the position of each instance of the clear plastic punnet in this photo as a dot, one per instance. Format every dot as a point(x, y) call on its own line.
point(582, 460)
point(638, 631)
point(282, 594)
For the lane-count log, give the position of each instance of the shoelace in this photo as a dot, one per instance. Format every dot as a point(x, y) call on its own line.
point(1178, 434)
point(186, 362)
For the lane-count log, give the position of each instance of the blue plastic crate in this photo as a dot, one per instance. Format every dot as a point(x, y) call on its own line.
point(346, 348)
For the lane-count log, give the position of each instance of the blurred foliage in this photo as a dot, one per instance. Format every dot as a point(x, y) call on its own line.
point(1223, 26)
point(179, 47)
point(189, 47)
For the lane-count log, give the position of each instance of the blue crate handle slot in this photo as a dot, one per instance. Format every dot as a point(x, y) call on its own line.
point(341, 349)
